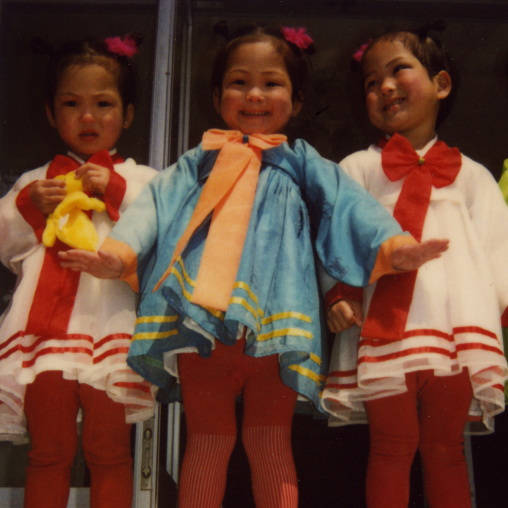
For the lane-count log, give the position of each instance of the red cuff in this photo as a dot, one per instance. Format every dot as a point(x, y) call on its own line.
point(115, 192)
point(343, 292)
point(30, 212)
point(504, 318)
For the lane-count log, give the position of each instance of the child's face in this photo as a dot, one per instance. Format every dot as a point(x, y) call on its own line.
point(400, 95)
point(256, 91)
point(88, 111)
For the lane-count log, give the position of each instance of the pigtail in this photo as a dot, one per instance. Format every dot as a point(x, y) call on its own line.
point(434, 25)
point(39, 46)
point(221, 28)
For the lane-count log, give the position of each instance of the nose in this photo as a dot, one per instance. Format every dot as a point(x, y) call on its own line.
point(86, 115)
point(255, 94)
point(387, 86)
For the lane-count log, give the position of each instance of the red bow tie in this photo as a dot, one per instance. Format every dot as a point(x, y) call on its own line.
point(439, 167)
point(61, 164)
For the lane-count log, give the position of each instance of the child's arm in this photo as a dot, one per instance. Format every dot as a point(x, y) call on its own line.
point(345, 312)
point(101, 264)
point(411, 257)
point(46, 195)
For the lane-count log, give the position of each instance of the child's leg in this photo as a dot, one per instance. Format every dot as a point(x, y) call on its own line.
point(51, 406)
point(393, 424)
point(107, 449)
point(268, 412)
point(209, 390)
point(444, 405)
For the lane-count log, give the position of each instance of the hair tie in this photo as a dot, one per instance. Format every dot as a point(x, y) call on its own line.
point(297, 36)
point(221, 28)
point(358, 54)
point(41, 47)
point(126, 46)
point(435, 25)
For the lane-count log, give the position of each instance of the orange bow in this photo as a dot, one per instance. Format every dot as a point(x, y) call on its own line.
point(229, 192)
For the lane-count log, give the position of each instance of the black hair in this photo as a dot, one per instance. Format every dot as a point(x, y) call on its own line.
point(432, 54)
point(87, 52)
point(296, 66)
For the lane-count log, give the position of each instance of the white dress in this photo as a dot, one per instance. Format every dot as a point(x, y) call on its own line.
point(454, 319)
point(93, 347)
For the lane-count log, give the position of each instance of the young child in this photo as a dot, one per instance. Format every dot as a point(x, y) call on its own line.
point(431, 340)
point(234, 300)
point(65, 336)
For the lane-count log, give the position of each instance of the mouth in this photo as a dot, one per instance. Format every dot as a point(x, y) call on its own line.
point(254, 114)
point(88, 135)
point(392, 104)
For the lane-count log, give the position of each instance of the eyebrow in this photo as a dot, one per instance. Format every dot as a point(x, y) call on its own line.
point(74, 94)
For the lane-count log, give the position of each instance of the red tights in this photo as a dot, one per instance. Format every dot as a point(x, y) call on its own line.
point(51, 407)
point(209, 388)
point(430, 417)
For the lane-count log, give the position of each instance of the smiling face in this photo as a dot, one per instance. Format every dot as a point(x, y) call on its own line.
point(88, 111)
point(400, 95)
point(256, 91)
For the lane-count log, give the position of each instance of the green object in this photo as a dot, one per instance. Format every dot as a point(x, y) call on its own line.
point(503, 181)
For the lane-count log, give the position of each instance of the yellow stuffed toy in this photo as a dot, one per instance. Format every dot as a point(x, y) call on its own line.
point(68, 222)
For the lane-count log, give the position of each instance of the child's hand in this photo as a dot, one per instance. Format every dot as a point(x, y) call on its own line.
point(101, 264)
point(411, 257)
point(46, 195)
point(343, 314)
point(95, 178)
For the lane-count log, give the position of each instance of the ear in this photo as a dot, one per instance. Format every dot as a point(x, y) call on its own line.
point(129, 116)
point(216, 99)
point(444, 84)
point(50, 117)
point(297, 104)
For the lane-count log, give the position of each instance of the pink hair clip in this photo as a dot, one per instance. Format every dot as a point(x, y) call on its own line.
point(360, 51)
point(298, 36)
point(124, 47)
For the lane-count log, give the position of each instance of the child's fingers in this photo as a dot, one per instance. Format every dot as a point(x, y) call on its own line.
point(344, 314)
point(411, 257)
point(435, 247)
point(103, 265)
point(87, 167)
point(95, 178)
point(47, 194)
point(79, 260)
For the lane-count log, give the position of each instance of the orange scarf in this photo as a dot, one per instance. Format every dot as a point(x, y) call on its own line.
point(229, 192)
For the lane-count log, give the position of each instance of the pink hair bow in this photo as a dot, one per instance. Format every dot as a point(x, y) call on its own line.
point(298, 36)
point(360, 51)
point(124, 47)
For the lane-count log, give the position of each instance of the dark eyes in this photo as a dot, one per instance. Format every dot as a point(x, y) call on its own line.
point(73, 103)
point(370, 84)
point(374, 82)
point(400, 67)
point(243, 82)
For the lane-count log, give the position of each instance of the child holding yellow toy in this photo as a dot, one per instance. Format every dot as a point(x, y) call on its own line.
point(65, 336)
